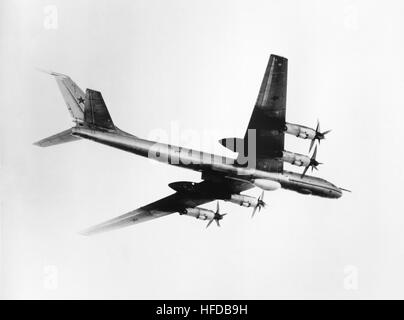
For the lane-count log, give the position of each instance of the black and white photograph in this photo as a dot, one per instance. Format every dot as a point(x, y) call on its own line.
point(173, 150)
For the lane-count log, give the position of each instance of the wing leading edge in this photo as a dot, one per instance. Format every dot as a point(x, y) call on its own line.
point(160, 208)
point(204, 192)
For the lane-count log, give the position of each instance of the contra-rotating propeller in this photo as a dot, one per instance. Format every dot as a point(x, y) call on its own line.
point(260, 204)
point(313, 163)
point(217, 216)
point(318, 136)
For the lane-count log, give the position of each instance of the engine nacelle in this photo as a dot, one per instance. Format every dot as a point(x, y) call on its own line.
point(243, 200)
point(199, 213)
point(266, 184)
point(300, 131)
point(296, 159)
point(183, 186)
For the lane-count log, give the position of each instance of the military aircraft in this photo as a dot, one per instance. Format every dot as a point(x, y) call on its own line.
point(259, 163)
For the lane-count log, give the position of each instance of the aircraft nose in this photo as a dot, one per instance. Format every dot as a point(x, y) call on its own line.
point(338, 193)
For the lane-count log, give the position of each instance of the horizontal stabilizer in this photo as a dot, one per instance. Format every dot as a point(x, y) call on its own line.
point(61, 137)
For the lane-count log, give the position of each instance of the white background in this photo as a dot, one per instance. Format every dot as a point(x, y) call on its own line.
point(197, 66)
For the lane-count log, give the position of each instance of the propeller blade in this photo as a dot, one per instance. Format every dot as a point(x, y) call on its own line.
point(304, 172)
point(326, 132)
point(217, 207)
point(209, 223)
point(312, 144)
point(218, 223)
point(254, 211)
point(313, 157)
point(318, 126)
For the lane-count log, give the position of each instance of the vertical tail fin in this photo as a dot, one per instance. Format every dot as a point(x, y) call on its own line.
point(74, 98)
point(96, 112)
point(89, 109)
point(72, 94)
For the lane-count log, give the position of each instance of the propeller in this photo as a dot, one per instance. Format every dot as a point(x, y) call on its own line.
point(318, 136)
point(217, 216)
point(260, 204)
point(313, 163)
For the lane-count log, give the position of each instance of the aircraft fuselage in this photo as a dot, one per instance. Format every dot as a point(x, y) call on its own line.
point(206, 162)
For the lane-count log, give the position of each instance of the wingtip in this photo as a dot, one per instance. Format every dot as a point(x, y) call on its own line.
point(87, 232)
point(95, 230)
point(38, 143)
point(84, 233)
point(278, 57)
point(52, 73)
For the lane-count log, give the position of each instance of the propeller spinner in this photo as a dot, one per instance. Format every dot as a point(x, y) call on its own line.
point(318, 136)
point(217, 216)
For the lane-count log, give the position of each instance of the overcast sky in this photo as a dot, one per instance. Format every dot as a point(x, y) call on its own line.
point(193, 69)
